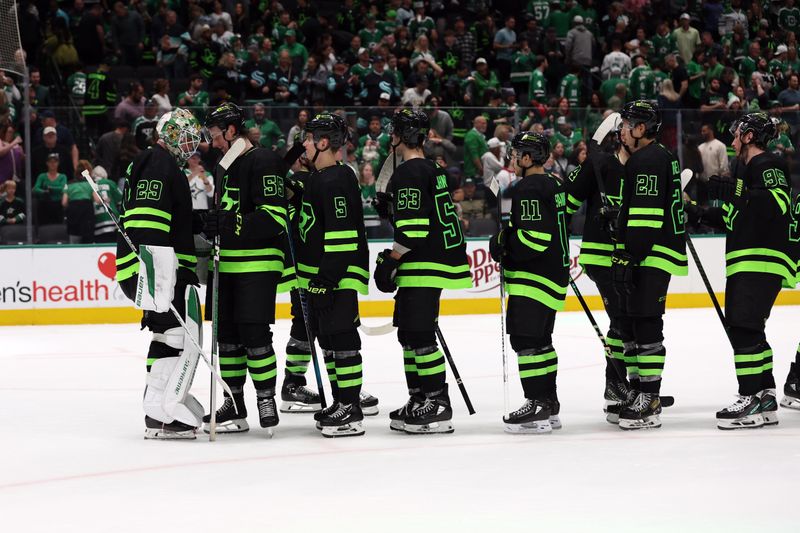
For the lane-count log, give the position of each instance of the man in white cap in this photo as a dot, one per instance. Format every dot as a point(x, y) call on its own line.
point(491, 160)
point(686, 37)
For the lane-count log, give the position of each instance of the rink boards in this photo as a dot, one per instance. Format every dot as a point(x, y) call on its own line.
point(75, 285)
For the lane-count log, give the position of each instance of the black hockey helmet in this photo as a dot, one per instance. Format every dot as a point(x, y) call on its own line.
point(226, 114)
point(760, 124)
point(643, 112)
point(329, 125)
point(534, 144)
point(410, 126)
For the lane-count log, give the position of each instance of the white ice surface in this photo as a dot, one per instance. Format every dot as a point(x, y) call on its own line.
point(72, 456)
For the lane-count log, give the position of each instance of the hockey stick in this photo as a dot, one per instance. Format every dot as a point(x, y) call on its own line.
point(234, 151)
point(172, 309)
point(686, 177)
point(456, 375)
point(375, 331)
point(495, 188)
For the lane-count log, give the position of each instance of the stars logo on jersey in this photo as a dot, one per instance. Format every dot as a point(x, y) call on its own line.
point(307, 220)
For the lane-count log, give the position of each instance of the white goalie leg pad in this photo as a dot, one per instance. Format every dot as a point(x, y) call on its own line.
point(158, 271)
point(177, 401)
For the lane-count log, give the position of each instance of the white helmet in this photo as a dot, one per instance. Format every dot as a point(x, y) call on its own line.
point(180, 132)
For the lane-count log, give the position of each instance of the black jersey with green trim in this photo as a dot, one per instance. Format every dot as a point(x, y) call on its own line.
point(330, 240)
point(581, 186)
point(537, 264)
point(156, 210)
point(651, 220)
point(253, 191)
point(426, 223)
point(288, 281)
point(762, 231)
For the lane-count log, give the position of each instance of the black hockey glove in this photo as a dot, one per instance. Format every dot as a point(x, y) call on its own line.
point(296, 188)
point(385, 271)
point(497, 246)
point(727, 189)
point(217, 221)
point(694, 213)
point(198, 221)
point(607, 218)
point(622, 265)
point(320, 296)
point(188, 276)
point(383, 205)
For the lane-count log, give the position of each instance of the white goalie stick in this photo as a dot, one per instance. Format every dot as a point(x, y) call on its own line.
point(234, 151)
point(178, 317)
point(375, 331)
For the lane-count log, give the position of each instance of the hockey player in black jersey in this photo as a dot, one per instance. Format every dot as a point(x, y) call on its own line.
point(428, 255)
point(157, 212)
point(534, 252)
point(251, 223)
point(759, 256)
point(650, 249)
point(332, 261)
point(602, 194)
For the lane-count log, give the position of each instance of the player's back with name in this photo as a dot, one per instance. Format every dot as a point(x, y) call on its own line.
point(582, 186)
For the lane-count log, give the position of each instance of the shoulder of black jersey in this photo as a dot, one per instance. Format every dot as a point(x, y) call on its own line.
point(766, 161)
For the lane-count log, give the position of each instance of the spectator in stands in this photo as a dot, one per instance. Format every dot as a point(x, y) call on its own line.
point(161, 95)
point(505, 43)
point(474, 147)
point(90, 36)
point(686, 37)
point(269, 132)
point(366, 179)
point(313, 82)
point(579, 47)
point(473, 206)
point(194, 98)
point(441, 121)
point(437, 147)
point(789, 99)
point(40, 95)
point(558, 163)
point(566, 135)
point(12, 209)
point(417, 95)
point(378, 80)
point(41, 153)
point(713, 154)
point(465, 41)
point(373, 147)
point(77, 201)
point(144, 127)
point(107, 151)
point(297, 128)
point(483, 79)
point(678, 74)
point(618, 59)
point(48, 190)
point(11, 154)
point(782, 145)
point(132, 106)
point(285, 80)
point(201, 184)
point(491, 161)
point(127, 34)
point(297, 51)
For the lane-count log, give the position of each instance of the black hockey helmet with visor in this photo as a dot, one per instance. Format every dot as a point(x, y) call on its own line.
point(760, 124)
point(226, 114)
point(330, 126)
point(410, 126)
point(642, 112)
point(534, 144)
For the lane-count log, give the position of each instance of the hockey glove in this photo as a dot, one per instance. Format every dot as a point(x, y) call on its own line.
point(383, 205)
point(622, 265)
point(607, 218)
point(727, 190)
point(385, 271)
point(497, 246)
point(198, 221)
point(217, 221)
point(320, 296)
point(296, 187)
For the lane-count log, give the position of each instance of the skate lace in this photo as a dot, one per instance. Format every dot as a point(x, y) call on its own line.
point(226, 408)
point(304, 391)
point(340, 412)
point(641, 402)
point(266, 408)
point(740, 404)
point(426, 407)
point(525, 409)
point(364, 396)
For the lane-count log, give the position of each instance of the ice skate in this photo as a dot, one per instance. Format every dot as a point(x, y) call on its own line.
point(267, 413)
point(228, 420)
point(368, 403)
point(398, 416)
point(344, 421)
point(299, 399)
point(532, 418)
point(791, 390)
point(613, 410)
point(156, 430)
point(616, 393)
point(319, 415)
point(643, 413)
point(744, 413)
point(769, 406)
point(433, 416)
point(555, 408)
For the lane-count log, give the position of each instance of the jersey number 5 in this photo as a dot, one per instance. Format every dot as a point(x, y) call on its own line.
point(449, 220)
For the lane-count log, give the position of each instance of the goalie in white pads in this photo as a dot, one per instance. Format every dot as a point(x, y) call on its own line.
point(157, 218)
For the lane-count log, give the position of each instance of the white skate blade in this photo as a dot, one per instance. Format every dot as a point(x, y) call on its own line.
point(353, 429)
point(445, 426)
point(161, 434)
point(609, 403)
point(790, 403)
point(300, 407)
point(770, 418)
point(539, 427)
point(370, 411)
point(397, 425)
point(555, 422)
point(612, 418)
point(237, 425)
point(651, 422)
point(745, 422)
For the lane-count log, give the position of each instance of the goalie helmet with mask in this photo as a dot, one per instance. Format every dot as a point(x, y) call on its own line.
point(533, 144)
point(327, 126)
point(761, 125)
point(410, 127)
point(642, 112)
point(180, 133)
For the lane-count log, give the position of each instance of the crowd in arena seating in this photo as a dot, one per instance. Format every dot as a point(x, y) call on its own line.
point(102, 73)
